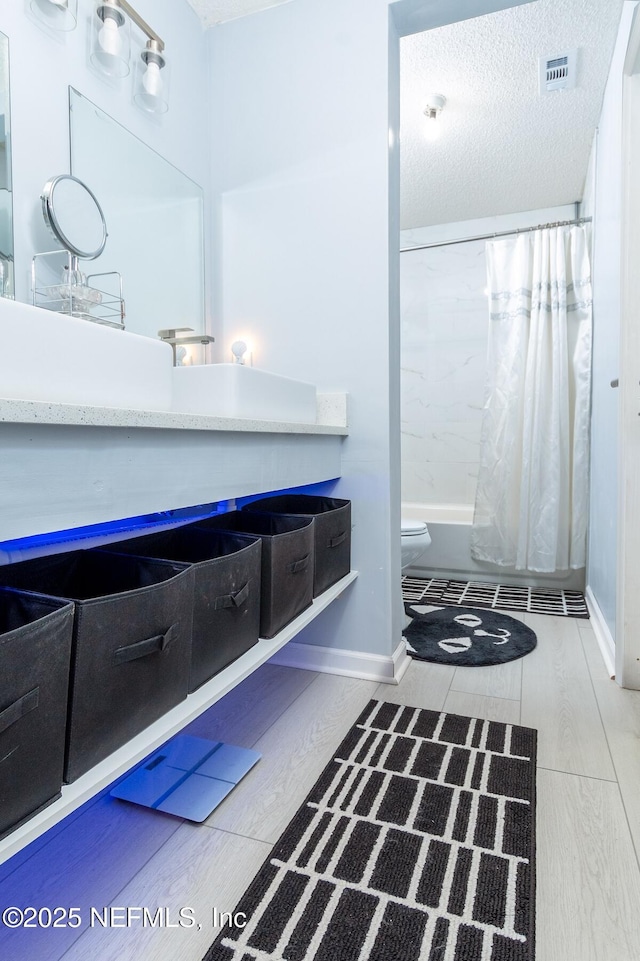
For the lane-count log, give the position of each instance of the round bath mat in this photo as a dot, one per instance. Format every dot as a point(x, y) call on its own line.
point(465, 636)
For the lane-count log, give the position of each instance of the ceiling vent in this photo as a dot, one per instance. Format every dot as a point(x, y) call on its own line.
point(559, 72)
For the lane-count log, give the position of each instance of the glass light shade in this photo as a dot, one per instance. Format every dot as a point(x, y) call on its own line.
point(151, 91)
point(111, 40)
point(56, 14)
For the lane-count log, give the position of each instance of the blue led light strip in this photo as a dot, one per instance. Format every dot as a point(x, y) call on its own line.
point(97, 535)
point(94, 535)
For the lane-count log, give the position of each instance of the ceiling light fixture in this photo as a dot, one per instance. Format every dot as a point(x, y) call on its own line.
point(57, 14)
point(433, 109)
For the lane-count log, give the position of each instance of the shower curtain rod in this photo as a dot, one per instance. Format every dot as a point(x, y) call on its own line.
point(505, 233)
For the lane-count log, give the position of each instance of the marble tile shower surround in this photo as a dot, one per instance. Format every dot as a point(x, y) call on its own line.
point(444, 347)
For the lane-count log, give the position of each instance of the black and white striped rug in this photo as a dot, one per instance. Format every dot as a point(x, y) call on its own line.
point(534, 600)
point(415, 844)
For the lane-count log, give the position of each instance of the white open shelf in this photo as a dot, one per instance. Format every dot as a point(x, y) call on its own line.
point(135, 750)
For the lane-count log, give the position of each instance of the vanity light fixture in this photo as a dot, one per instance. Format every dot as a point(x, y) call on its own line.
point(111, 47)
point(152, 80)
point(56, 14)
point(111, 42)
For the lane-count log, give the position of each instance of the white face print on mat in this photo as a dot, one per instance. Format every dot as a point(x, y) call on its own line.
point(455, 645)
point(459, 645)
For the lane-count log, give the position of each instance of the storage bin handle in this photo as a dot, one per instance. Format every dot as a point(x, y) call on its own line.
point(25, 704)
point(151, 645)
point(300, 565)
point(338, 539)
point(232, 600)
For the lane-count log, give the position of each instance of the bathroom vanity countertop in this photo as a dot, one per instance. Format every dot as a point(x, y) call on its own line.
point(330, 408)
point(107, 463)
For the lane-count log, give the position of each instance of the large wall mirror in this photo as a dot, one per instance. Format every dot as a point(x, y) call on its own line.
point(6, 204)
point(155, 221)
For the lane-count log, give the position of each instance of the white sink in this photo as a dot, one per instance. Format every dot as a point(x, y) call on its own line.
point(47, 356)
point(235, 390)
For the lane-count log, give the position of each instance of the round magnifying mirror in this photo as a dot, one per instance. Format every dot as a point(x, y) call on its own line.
point(74, 216)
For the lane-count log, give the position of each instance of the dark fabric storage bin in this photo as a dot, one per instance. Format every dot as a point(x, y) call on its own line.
point(35, 653)
point(287, 562)
point(332, 538)
point(131, 643)
point(226, 602)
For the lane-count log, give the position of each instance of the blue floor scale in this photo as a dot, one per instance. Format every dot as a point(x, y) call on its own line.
point(188, 777)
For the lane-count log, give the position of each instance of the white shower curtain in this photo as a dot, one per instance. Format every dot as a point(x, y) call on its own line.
point(533, 484)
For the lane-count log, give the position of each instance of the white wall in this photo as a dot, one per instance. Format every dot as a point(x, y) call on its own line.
point(306, 221)
point(443, 369)
point(602, 559)
point(445, 330)
point(43, 65)
point(301, 97)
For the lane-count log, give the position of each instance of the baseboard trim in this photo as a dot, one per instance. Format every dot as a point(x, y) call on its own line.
point(601, 630)
point(333, 660)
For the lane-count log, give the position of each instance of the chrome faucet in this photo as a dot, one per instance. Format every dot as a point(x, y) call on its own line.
point(170, 336)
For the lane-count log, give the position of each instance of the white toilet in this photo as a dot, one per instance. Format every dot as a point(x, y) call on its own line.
point(415, 541)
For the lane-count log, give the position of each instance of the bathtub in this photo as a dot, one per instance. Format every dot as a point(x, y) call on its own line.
point(449, 555)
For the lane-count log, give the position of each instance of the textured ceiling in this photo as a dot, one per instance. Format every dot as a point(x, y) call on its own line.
point(217, 11)
point(502, 148)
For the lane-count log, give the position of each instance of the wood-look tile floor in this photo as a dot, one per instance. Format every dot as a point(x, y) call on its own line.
point(588, 896)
